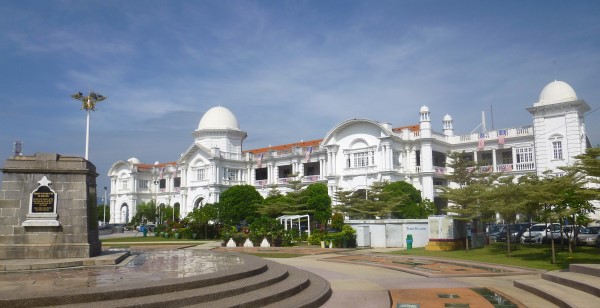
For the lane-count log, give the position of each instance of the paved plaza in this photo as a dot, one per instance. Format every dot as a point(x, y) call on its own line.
point(359, 278)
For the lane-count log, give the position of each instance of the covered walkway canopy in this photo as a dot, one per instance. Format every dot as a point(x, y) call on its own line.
point(291, 219)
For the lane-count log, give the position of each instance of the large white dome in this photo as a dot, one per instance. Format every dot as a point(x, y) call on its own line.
point(219, 118)
point(556, 92)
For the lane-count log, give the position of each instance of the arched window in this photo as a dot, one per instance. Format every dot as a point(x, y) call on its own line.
point(198, 203)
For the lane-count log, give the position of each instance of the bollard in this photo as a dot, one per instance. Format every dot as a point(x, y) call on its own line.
point(409, 241)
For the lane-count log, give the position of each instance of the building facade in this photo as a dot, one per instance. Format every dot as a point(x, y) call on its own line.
point(352, 155)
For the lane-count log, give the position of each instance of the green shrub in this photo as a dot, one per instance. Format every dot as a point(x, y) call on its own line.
point(343, 239)
point(337, 221)
point(315, 238)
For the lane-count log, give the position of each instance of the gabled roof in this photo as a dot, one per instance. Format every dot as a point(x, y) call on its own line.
point(191, 150)
point(150, 166)
point(286, 147)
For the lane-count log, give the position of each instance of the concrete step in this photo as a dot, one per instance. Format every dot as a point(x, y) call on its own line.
point(317, 293)
point(588, 269)
point(582, 282)
point(558, 294)
point(252, 266)
point(256, 283)
point(275, 274)
point(296, 282)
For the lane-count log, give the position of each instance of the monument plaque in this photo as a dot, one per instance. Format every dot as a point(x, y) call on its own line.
point(42, 200)
point(42, 206)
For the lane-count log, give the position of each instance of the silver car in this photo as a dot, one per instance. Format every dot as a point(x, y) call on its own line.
point(587, 236)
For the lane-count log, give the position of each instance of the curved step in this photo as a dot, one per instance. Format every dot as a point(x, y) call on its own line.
point(588, 269)
point(256, 283)
point(557, 294)
point(582, 282)
point(273, 275)
point(294, 284)
point(252, 266)
point(317, 293)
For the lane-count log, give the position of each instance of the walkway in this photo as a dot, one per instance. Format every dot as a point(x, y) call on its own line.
point(355, 282)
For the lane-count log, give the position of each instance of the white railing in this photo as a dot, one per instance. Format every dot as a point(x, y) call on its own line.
point(229, 155)
point(523, 131)
point(360, 170)
point(439, 136)
point(492, 135)
point(524, 166)
point(233, 182)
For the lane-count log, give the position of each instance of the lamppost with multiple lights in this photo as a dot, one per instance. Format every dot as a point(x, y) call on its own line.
point(89, 104)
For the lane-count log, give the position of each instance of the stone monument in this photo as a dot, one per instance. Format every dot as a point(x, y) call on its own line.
point(48, 208)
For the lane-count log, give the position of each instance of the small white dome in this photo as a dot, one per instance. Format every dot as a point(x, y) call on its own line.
point(447, 118)
point(134, 161)
point(424, 109)
point(556, 92)
point(219, 118)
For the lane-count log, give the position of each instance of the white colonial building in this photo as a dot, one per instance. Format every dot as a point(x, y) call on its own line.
point(352, 155)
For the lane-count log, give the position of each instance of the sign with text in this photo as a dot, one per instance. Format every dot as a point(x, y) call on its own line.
point(42, 200)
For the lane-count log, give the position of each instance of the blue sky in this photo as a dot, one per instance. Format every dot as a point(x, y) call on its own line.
point(289, 70)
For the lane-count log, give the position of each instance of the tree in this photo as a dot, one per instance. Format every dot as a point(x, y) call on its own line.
point(560, 198)
point(472, 181)
point(384, 200)
point(145, 212)
point(296, 199)
point(589, 164)
point(362, 204)
point(318, 202)
point(274, 204)
point(406, 201)
point(202, 217)
point(239, 203)
point(506, 198)
point(100, 210)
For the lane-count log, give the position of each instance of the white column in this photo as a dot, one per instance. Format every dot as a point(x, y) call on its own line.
point(334, 162)
point(494, 160)
point(384, 158)
point(514, 159)
point(321, 168)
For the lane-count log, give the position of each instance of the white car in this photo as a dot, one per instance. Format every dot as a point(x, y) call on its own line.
point(536, 233)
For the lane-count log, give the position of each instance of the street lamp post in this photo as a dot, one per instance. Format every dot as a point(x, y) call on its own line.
point(89, 104)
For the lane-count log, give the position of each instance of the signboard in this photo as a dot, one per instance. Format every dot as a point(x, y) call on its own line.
point(42, 200)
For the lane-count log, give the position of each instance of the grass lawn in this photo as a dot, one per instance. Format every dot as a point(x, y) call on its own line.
point(148, 239)
point(523, 255)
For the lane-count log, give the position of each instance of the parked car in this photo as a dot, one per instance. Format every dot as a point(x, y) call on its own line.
point(536, 233)
point(515, 230)
point(560, 235)
point(588, 236)
point(494, 230)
